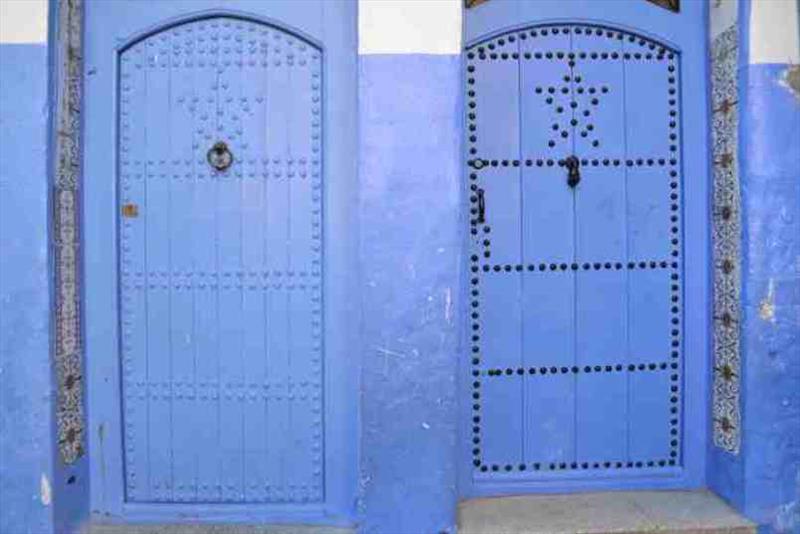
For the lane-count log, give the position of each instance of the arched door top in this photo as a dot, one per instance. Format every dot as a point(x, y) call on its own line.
point(258, 26)
point(493, 46)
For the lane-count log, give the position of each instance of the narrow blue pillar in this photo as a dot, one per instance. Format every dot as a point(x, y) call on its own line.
point(410, 259)
point(770, 142)
point(26, 426)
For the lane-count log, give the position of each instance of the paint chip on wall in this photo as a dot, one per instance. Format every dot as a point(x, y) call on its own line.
point(45, 491)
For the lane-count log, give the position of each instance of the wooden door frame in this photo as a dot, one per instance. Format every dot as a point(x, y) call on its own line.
point(100, 277)
point(491, 19)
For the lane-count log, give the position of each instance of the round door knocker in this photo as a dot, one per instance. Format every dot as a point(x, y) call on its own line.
point(219, 156)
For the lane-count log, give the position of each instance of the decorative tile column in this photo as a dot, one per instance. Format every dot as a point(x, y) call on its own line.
point(66, 234)
point(726, 238)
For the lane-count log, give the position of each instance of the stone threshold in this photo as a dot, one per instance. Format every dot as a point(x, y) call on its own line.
point(100, 528)
point(628, 512)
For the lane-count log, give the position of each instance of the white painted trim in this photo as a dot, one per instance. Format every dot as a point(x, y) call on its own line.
point(23, 21)
point(774, 31)
point(723, 15)
point(409, 26)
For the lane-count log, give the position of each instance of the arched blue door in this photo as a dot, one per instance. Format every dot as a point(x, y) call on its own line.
point(221, 286)
point(576, 184)
point(221, 264)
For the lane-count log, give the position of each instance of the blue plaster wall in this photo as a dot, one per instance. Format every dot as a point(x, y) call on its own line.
point(770, 177)
point(26, 429)
point(725, 475)
point(411, 259)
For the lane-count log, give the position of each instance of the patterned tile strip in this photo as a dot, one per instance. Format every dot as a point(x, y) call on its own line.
point(66, 236)
point(726, 239)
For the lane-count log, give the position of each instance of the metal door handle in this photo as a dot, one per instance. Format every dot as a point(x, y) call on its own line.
point(573, 171)
point(481, 207)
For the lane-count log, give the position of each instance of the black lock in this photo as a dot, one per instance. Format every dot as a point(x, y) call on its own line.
point(481, 207)
point(573, 171)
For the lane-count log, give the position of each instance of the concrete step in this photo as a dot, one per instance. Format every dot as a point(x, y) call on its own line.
point(634, 512)
point(98, 528)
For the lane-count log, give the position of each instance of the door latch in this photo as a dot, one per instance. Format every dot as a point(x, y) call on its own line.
point(219, 156)
point(130, 210)
point(481, 207)
point(573, 171)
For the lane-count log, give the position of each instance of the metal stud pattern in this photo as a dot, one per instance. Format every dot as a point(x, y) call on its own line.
point(727, 238)
point(576, 294)
point(221, 268)
point(68, 355)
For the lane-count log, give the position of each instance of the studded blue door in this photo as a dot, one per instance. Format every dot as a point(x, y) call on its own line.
point(220, 250)
point(574, 172)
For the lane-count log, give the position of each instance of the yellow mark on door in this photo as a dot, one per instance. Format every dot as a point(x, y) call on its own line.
point(130, 210)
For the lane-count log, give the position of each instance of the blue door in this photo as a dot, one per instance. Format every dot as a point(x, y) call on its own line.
point(576, 188)
point(221, 180)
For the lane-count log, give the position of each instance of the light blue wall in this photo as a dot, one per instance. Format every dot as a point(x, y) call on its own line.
point(726, 475)
point(411, 260)
point(26, 427)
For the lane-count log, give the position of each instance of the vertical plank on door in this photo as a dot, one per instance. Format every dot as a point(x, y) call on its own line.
point(159, 269)
point(303, 105)
point(229, 227)
point(205, 102)
point(180, 122)
point(278, 214)
point(251, 107)
point(547, 202)
point(134, 275)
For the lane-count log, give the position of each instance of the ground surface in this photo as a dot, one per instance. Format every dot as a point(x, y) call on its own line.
point(214, 529)
point(639, 512)
point(612, 512)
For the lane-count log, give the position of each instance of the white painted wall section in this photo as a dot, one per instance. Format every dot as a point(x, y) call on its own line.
point(722, 15)
point(23, 21)
point(409, 26)
point(774, 31)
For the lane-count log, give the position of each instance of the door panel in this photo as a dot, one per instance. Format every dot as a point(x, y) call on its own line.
point(577, 364)
point(501, 188)
point(601, 417)
point(601, 317)
point(206, 268)
point(547, 234)
point(599, 205)
point(264, 289)
point(502, 399)
point(548, 320)
point(501, 318)
point(550, 417)
point(498, 91)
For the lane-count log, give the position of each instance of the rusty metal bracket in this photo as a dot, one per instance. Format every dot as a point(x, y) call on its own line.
point(472, 3)
point(672, 5)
